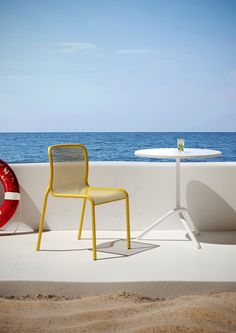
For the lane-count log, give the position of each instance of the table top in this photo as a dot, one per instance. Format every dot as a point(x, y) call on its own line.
point(174, 153)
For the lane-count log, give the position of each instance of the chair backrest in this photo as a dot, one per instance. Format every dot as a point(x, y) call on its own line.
point(68, 168)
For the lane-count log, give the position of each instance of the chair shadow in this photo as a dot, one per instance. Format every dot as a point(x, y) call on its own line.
point(119, 247)
point(116, 247)
point(63, 250)
point(166, 239)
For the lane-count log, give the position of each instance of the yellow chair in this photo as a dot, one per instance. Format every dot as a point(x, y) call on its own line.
point(69, 179)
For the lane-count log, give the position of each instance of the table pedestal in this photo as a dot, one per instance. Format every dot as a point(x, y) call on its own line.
point(183, 213)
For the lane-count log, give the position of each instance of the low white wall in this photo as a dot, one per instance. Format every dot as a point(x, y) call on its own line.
point(207, 189)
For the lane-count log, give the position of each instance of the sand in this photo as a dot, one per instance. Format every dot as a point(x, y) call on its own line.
point(119, 313)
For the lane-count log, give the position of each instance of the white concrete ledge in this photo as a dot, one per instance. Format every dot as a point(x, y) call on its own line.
point(207, 189)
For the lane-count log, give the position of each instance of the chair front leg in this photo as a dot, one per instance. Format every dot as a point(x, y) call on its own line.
point(128, 222)
point(42, 219)
point(93, 230)
point(81, 219)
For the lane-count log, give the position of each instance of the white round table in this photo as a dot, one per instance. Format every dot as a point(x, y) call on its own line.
point(173, 153)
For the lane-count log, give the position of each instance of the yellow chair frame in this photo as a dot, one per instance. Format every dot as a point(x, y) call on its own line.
point(85, 197)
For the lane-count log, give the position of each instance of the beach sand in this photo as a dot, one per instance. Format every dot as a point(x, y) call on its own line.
point(123, 312)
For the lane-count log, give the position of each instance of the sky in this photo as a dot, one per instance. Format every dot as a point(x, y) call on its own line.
point(117, 65)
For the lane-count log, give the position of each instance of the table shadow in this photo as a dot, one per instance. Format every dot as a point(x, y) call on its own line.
point(210, 212)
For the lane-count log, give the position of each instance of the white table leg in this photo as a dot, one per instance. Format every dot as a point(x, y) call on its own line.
point(177, 180)
point(153, 225)
point(187, 215)
point(191, 234)
point(183, 213)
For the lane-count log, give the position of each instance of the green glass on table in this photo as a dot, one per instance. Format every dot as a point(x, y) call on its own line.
point(180, 144)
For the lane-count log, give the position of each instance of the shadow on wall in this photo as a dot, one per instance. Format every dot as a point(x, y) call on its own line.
point(210, 212)
point(30, 216)
point(218, 237)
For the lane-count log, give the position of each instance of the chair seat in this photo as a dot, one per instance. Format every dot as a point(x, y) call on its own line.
point(104, 195)
point(99, 195)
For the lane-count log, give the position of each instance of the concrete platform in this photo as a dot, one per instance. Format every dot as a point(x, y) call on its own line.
point(165, 265)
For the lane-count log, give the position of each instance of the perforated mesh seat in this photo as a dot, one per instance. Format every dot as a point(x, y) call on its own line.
point(96, 194)
point(69, 178)
point(103, 196)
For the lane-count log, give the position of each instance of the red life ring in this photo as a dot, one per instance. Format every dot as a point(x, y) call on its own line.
point(12, 193)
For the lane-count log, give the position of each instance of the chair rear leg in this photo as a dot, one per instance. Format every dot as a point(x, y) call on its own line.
point(42, 219)
point(128, 223)
point(81, 219)
point(93, 231)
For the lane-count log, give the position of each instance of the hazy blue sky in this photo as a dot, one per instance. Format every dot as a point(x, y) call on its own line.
point(119, 65)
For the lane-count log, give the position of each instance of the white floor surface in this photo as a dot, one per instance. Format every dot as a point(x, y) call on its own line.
point(166, 256)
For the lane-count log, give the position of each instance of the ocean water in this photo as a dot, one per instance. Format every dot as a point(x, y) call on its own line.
point(112, 146)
